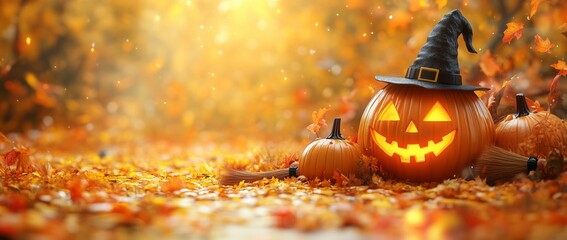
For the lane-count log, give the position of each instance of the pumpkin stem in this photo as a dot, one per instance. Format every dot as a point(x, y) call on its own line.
point(521, 106)
point(336, 132)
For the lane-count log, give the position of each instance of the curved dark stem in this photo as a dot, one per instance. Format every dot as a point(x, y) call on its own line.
point(521, 106)
point(336, 132)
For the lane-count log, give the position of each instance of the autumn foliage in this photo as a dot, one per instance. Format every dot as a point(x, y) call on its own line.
point(118, 117)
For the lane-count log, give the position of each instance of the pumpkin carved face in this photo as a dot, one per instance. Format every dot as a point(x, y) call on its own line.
point(419, 134)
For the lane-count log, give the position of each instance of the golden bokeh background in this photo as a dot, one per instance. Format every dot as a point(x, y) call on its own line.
point(230, 69)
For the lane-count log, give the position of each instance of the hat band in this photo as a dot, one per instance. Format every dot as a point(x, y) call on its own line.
point(433, 75)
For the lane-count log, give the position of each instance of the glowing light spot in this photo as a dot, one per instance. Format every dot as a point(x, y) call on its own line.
point(390, 17)
point(389, 113)
point(437, 114)
point(414, 217)
point(28, 40)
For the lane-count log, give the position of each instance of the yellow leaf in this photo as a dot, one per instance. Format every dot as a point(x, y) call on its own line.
point(31, 79)
point(441, 3)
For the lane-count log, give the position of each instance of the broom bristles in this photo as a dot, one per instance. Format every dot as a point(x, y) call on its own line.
point(497, 164)
point(232, 177)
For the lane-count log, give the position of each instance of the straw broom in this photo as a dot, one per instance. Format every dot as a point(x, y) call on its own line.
point(232, 177)
point(498, 164)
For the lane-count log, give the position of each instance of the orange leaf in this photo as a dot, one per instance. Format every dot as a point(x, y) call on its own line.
point(172, 185)
point(24, 163)
point(552, 88)
point(488, 65)
point(76, 186)
point(290, 159)
point(534, 4)
point(542, 46)
point(318, 121)
point(513, 30)
point(340, 179)
point(5, 144)
point(561, 66)
point(11, 157)
point(534, 106)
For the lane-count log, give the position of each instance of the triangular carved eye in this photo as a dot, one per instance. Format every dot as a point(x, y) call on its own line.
point(389, 113)
point(437, 114)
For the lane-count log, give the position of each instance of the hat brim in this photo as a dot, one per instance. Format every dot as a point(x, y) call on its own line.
point(429, 85)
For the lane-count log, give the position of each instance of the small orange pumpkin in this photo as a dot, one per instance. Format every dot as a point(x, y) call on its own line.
point(421, 134)
point(531, 133)
point(322, 157)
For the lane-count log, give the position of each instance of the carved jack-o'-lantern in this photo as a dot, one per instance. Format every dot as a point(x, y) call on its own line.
point(423, 134)
point(427, 126)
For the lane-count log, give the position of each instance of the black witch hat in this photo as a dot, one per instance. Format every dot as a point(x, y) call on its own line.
point(436, 65)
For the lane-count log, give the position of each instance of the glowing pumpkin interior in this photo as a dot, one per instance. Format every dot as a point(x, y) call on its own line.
point(436, 114)
point(421, 134)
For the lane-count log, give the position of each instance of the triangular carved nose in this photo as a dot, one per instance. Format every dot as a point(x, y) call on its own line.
point(411, 128)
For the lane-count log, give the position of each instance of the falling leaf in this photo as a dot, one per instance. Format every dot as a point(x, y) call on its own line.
point(534, 106)
point(552, 89)
point(543, 46)
point(513, 30)
point(561, 66)
point(32, 80)
point(534, 4)
point(317, 117)
point(488, 64)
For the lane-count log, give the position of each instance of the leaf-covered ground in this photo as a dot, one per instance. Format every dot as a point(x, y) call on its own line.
point(157, 190)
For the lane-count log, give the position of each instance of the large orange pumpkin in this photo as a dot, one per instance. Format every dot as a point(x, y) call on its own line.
point(420, 134)
point(531, 133)
point(322, 157)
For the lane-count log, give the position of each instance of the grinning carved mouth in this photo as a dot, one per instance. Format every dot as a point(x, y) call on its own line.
point(413, 149)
